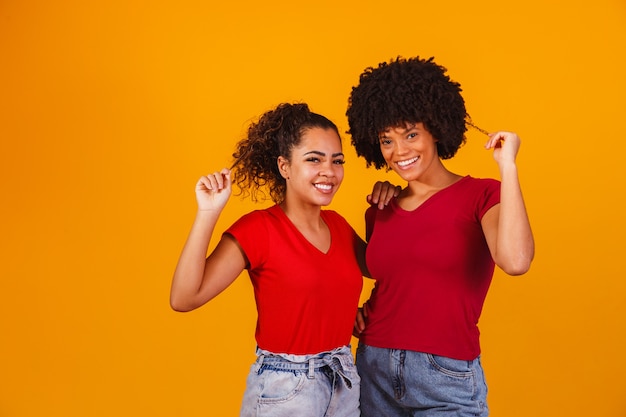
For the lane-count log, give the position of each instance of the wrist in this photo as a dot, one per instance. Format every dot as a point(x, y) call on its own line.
point(508, 168)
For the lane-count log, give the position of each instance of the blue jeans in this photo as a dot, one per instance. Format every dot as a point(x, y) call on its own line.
point(414, 384)
point(321, 385)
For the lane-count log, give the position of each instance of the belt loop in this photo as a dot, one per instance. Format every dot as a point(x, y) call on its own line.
point(311, 373)
point(259, 363)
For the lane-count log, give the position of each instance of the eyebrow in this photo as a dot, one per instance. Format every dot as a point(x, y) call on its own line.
point(322, 153)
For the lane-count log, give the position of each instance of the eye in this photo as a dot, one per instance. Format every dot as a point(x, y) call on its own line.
point(411, 135)
point(385, 141)
point(313, 159)
point(339, 162)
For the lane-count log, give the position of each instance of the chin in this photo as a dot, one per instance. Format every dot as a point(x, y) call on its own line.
point(325, 201)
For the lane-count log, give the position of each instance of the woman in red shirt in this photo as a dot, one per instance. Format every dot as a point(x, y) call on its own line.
point(305, 263)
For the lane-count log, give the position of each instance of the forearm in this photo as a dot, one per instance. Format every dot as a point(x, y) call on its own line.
point(515, 243)
point(189, 272)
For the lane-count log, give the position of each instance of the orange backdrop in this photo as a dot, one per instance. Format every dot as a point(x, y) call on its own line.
point(110, 111)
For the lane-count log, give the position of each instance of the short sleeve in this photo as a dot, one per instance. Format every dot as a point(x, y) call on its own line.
point(489, 197)
point(251, 234)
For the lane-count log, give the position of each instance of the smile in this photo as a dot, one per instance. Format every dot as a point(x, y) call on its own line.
point(323, 187)
point(407, 162)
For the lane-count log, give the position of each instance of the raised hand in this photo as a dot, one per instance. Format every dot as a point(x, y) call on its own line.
point(213, 190)
point(505, 146)
point(506, 225)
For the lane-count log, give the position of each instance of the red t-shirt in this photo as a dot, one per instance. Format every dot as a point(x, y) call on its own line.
point(306, 299)
point(433, 269)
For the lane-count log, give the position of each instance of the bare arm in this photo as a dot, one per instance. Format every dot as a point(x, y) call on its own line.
point(198, 278)
point(506, 225)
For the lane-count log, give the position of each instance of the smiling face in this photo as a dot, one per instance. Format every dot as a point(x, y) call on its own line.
point(410, 150)
point(315, 170)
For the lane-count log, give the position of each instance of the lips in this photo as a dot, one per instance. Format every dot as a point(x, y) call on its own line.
point(323, 187)
point(407, 162)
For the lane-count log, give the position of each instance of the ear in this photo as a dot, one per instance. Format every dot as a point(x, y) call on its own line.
point(283, 167)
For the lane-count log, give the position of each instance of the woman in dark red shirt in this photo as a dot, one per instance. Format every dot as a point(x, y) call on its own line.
point(433, 249)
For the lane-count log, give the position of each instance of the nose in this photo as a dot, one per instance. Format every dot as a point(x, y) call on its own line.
point(399, 147)
point(327, 169)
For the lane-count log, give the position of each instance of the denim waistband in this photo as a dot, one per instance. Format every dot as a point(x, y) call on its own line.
point(337, 360)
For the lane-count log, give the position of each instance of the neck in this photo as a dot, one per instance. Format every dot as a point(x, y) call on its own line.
point(434, 182)
point(303, 216)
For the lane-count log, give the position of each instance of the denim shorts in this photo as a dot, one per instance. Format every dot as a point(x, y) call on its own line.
point(321, 385)
point(407, 383)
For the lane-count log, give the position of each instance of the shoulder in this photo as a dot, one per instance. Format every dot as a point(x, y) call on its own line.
point(252, 233)
point(254, 219)
point(480, 183)
point(477, 187)
point(372, 212)
point(484, 193)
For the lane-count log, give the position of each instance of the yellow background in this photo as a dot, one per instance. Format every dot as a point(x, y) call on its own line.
point(110, 111)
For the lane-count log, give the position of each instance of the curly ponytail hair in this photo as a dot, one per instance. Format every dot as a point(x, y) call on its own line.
point(275, 134)
point(404, 91)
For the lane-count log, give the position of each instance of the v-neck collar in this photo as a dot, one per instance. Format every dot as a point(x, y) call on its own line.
point(396, 207)
point(292, 226)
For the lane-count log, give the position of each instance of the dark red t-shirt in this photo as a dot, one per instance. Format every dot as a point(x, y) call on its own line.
point(433, 269)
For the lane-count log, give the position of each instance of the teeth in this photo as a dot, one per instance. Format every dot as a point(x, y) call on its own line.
point(407, 162)
point(325, 187)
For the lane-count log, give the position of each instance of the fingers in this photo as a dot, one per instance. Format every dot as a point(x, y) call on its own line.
point(388, 192)
point(374, 198)
point(359, 323)
point(494, 140)
point(216, 181)
point(505, 146)
point(497, 139)
point(382, 193)
point(361, 318)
